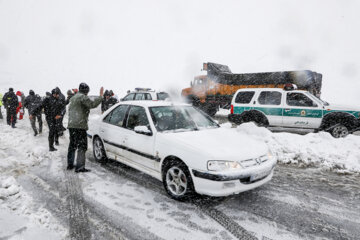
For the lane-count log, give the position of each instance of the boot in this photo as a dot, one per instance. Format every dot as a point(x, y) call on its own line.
point(52, 149)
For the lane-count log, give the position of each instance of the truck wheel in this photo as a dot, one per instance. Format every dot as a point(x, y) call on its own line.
point(339, 131)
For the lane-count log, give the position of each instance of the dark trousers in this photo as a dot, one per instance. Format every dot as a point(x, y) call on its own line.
point(53, 130)
point(78, 141)
point(11, 116)
point(33, 121)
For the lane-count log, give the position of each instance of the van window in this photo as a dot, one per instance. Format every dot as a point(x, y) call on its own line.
point(299, 100)
point(270, 98)
point(244, 97)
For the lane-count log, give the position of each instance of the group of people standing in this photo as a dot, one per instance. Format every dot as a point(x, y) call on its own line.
point(54, 107)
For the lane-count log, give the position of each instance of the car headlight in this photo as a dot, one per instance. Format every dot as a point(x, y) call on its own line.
point(216, 165)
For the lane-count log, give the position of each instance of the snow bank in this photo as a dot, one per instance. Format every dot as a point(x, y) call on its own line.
point(314, 149)
point(20, 150)
point(31, 221)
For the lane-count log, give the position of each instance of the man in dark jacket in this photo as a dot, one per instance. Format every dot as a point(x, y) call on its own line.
point(53, 108)
point(33, 104)
point(79, 109)
point(70, 94)
point(108, 101)
point(63, 102)
point(10, 102)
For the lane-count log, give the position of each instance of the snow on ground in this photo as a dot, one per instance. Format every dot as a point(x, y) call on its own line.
point(223, 112)
point(19, 150)
point(310, 150)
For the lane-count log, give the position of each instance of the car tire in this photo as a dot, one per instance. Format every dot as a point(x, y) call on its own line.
point(339, 131)
point(258, 119)
point(99, 150)
point(177, 180)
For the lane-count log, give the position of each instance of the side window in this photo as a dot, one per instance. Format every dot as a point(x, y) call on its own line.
point(244, 97)
point(139, 96)
point(117, 115)
point(137, 117)
point(270, 98)
point(148, 96)
point(299, 100)
point(129, 97)
point(107, 118)
point(162, 96)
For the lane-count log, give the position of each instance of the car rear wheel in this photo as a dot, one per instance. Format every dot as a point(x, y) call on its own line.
point(99, 150)
point(339, 131)
point(177, 181)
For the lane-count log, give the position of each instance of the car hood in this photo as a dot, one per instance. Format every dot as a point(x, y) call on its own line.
point(338, 107)
point(218, 144)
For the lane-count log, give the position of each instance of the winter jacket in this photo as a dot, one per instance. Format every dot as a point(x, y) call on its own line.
point(10, 101)
point(79, 110)
point(1, 96)
point(52, 107)
point(108, 103)
point(33, 104)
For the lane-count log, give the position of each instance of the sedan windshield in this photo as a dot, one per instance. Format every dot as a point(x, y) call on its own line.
point(180, 118)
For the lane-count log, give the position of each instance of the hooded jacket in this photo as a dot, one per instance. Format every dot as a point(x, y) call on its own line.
point(79, 109)
point(10, 100)
point(33, 104)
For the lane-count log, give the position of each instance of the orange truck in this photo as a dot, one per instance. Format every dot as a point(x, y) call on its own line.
point(217, 87)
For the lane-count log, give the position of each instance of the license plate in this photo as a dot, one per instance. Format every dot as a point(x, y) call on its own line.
point(259, 176)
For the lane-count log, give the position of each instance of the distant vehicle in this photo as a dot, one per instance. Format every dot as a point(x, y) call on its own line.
point(145, 94)
point(290, 108)
point(182, 147)
point(216, 89)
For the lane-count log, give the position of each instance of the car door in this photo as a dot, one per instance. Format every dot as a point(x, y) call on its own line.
point(138, 147)
point(300, 111)
point(112, 131)
point(270, 103)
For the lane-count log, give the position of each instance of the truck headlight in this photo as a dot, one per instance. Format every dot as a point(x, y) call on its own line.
point(216, 165)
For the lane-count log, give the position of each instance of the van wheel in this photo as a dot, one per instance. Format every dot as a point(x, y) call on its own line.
point(177, 181)
point(340, 131)
point(99, 150)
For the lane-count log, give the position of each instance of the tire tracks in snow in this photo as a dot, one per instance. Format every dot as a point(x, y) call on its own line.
point(206, 206)
point(79, 226)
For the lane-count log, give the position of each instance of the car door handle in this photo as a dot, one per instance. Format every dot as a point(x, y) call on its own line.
point(287, 110)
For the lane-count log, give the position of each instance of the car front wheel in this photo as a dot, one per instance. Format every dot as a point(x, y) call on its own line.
point(339, 131)
point(99, 150)
point(177, 181)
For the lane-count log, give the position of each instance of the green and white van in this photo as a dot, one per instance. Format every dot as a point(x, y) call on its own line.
point(290, 108)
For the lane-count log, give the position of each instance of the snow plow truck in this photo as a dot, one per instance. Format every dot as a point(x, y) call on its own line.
point(216, 88)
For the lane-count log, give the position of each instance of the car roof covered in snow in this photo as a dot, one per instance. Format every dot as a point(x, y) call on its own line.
point(153, 103)
point(268, 89)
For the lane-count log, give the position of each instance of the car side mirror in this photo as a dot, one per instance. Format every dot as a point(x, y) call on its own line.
point(143, 130)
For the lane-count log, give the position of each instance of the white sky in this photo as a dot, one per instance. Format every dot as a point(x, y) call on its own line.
point(162, 44)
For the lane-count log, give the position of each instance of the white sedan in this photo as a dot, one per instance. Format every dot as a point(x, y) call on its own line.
point(182, 147)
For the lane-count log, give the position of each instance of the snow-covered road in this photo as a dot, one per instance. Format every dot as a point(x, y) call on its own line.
point(117, 202)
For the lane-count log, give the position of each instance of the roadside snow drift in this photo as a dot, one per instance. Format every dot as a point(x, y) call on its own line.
point(313, 150)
